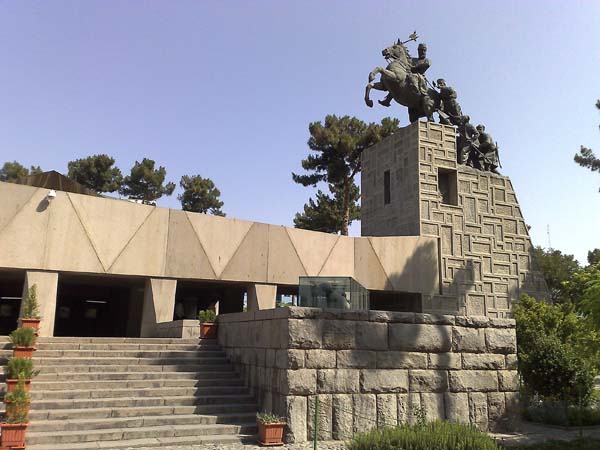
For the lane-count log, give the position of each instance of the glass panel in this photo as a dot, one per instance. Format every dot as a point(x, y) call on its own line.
point(332, 292)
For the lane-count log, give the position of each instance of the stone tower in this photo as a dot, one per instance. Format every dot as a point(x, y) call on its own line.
point(413, 186)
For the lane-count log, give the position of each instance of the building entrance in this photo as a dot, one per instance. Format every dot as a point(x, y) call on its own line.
point(11, 290)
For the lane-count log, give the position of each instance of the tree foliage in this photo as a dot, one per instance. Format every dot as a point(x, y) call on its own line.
point(96, 172)
point(557, 268)
point(326, 213)
point(12, 171)
point(338, 143)
point(558, 350)
point(146, 183)
point(200, 195)
point(586, 157)
point(593, 257)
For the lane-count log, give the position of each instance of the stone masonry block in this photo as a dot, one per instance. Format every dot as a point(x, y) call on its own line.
point(324, 417)
point(305, 333)
point(433, 405)
point(482, 361)
point(478, 410)
point(428, 380)
point(339, 334)
point(511, 362)
point(295, 412)
point(508, 380)
point(403, 407)
point(420, 337)
point(289, 359)
point(298, 382)
point(356, 358)
point(387, 410)
point(470, 340)
point(473, 380)
point(365, 412)
point(371, 336)
point(383, 381)
point(320, 359)
point(343, 381)
point(457, 407)
point(343, 416)
point(444, 361)
point(496, 407)
point(501, 340)
point(401, 360)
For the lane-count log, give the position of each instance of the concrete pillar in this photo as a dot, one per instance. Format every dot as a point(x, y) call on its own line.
point(261, 296)
point(46, 287)
point(159, 304)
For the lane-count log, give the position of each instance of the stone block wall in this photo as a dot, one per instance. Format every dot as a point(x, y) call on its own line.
point(486, 261)
point(374, 368)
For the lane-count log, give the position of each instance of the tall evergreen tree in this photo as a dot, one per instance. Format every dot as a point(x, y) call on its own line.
point(557, 268)
point(586, 158)
point(326, 212)
point(146, 183)
point(339, 143)
point(200, 195)
point(96, 172)
point(12, 171)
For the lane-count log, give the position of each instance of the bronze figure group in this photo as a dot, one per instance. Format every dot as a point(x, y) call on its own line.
point(404, 81)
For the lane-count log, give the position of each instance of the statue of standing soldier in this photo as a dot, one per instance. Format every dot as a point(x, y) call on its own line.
point(449, 111)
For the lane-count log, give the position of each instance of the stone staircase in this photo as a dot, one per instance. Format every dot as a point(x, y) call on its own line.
point(117, 393)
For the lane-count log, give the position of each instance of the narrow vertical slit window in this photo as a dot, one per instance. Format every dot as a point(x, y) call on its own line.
point(386, 187)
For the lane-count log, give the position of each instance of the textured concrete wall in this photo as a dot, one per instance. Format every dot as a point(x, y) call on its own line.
point(79, 233)
point(371, 368)
point(486, 252)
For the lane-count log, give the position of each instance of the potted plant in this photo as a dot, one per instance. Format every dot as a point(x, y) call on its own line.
point(16, 417)
point(208, 327)
point(19, 369)
point(23, 341)
point(30, 316)
point(270, 428)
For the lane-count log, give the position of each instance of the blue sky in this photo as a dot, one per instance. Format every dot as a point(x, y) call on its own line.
point(227, 89)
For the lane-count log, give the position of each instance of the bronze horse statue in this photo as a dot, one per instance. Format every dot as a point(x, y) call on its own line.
point(407, 88)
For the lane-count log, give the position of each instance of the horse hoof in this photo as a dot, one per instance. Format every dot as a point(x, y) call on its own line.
point(369, 103)
point(384, 103)
point(371, 77)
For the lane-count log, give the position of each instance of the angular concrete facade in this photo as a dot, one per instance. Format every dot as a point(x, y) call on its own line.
point(485, 251)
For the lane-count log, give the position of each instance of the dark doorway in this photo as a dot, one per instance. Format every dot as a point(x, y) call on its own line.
point(98, 306)
point(194, 296)
point(11, 290)
point(395, 301)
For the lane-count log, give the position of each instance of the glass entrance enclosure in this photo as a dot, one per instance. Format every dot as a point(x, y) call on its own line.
point(332, 292)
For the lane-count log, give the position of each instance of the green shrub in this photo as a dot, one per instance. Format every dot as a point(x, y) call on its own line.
point(207, 316)
point(17, 403)
point(269, 417)
point(22, 337)
point(431, 436)
point(21, 368)
point(31, 309)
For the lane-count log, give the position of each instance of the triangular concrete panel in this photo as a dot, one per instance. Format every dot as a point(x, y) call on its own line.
point(14, 197)
point(312, 247)
point(368, 269)
point(284, 264)
point(145, 254)
point(249, 261)
point(340, 261)
point(110, 223)
point(220, 237)
point(68, 245)
point(185, 256)
point(23, 238)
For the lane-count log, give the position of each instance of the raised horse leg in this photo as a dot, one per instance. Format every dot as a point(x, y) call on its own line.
point(379, 86)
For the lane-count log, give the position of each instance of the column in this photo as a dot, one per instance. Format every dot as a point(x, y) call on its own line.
point(261, 296)
point(46, 287)
point(159, 304)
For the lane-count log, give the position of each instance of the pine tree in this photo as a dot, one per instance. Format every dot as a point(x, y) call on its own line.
point(146, 183)
point(338, 143)
point(96, 172)
point(586, 158)
point(12, 171)
point(200, 195)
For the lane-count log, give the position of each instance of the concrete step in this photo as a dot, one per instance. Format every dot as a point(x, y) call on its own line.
point(124, 434)
point(111, 361)
point(63, 369)
point(139, 421)
point(45, 386)
point(143, 411)
point(127, 402)
point(152, 443)
point(123, 340)
point(211, 373)
point(123, 346)
point(137, 392)
point(95, 353)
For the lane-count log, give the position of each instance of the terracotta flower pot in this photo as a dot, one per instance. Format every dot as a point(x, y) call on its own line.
point(12, 383)
point(23, 352)
point(13, 434)
point(30, 323)
point(208, 330)
point(270, 434)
